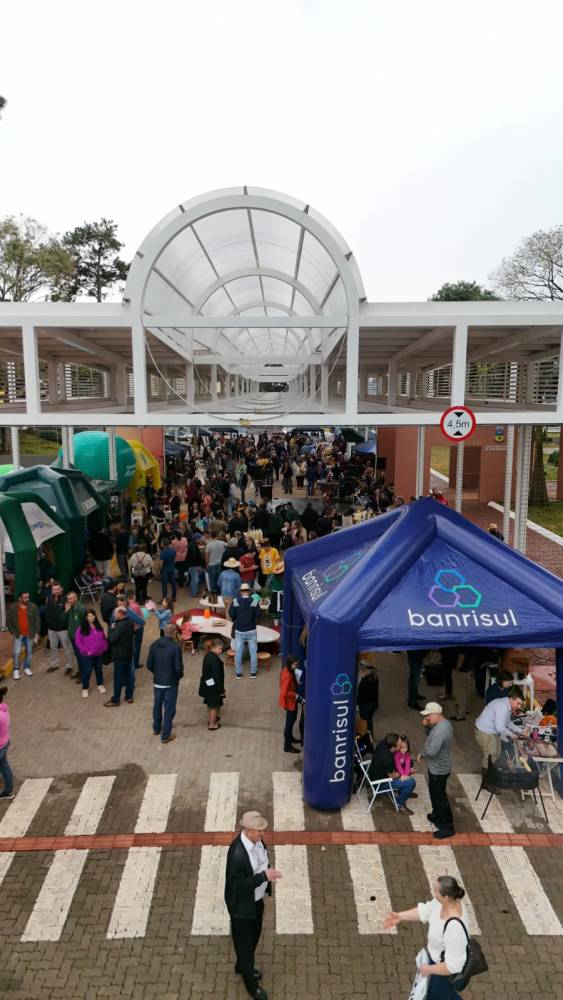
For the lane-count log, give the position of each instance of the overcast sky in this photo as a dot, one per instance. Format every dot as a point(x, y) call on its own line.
point(429, 133)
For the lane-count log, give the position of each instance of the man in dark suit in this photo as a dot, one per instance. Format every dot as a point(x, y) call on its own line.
point(248, 879)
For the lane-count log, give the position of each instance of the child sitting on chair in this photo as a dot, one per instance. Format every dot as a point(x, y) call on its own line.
point(187, 632)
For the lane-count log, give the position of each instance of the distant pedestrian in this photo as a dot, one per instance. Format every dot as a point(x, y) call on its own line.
point(23, 623)
point(121, 643)
point(91, 643)
point(248, 879)
point(167, 556)
point(368, 694)
point(288, 701)
point(5, 769)
point(494, 531)
point(437, 752)
point(166, 664)
point(212, 684)
point(244, 614)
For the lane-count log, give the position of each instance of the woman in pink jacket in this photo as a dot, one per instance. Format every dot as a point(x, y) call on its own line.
point(92, 643)
point(5, 769)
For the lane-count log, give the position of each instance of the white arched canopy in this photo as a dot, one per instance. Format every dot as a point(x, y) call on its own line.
point(214, 271)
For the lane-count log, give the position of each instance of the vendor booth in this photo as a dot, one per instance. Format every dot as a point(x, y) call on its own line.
point(26, 524)
point(67, 492)
point(421, 576)
point(146, 468)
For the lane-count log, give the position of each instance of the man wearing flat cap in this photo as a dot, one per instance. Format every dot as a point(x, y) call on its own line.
point(248, 879)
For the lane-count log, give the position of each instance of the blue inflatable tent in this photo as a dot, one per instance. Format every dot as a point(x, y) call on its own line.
point(417, 577)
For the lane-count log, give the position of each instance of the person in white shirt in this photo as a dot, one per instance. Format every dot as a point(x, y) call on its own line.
point(447, 935)
point(494, 724)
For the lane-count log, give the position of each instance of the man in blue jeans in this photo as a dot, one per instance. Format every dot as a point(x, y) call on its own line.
point(244, 613)
point(382, 765)
point(167, 556)
point(167, 667)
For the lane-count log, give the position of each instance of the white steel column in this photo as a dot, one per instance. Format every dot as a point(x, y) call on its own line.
point(52, 381)
point(420, 448)
point(227, 385)
point(392, 386)
point(189, 377)
point(459, 362)
point(352, 358)
point(139, 368)
point(31, 370)
point(522, 486)
point(119, 383)
point(112, 454)
point(67, 442)
point(16, 447)
point(459, 476)
point(213, 377)
point(313, 381)
point(560, 384)
point(508, 469)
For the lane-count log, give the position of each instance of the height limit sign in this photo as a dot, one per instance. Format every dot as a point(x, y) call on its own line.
point(458, 423)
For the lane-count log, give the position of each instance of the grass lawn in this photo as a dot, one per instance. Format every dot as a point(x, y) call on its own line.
point(549, 515)
point(32, 444)
point(440, 458)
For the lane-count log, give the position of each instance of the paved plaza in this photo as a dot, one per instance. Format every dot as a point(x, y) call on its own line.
point(112, 855)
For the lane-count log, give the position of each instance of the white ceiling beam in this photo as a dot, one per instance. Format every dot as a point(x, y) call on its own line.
point(189, 322)
point(420, 343)
point(527, 335)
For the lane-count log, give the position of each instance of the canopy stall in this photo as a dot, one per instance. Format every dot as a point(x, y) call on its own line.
point(418, 577)
point(91, 456)
point(68, 492)
point(367, 448)
point(27, 523)
point(147, 467)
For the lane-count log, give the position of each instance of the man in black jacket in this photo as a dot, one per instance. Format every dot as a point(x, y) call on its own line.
point(57, 624)
point(167, 667)
point(121, 644)
point(108, 602)
point(248, 879)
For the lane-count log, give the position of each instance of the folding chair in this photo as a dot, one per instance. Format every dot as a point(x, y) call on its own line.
point(382, 786)
point(91, 590)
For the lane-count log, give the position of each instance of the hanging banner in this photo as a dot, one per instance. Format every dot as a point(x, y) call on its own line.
point(39, 523)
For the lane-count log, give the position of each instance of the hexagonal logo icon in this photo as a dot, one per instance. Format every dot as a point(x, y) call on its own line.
point(443, 598)
point(469, 597)
point(448, 579)
point(342, 685)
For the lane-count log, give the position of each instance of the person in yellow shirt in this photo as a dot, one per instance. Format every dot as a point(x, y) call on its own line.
point(268, 557)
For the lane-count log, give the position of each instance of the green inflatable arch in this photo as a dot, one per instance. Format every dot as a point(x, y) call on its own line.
point(26, 521)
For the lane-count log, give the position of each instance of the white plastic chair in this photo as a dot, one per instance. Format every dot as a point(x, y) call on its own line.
point(381, 786)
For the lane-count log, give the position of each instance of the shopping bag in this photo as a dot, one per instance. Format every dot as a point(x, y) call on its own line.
point(6, 668)
point(419, 987)
point(114, 568)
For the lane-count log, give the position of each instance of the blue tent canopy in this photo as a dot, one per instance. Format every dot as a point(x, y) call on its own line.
point(417, 577)
point(367, 448)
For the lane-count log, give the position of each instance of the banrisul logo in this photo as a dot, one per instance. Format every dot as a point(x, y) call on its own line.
point(341, 719)
point(461, 605)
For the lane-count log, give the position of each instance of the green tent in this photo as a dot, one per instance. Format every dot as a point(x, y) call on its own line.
point(26, 523)
point(91, 456)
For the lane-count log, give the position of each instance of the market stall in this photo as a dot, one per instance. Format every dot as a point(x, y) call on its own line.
point(27, 524)
point(147, 469)
point(69, 493)
point(419, 577)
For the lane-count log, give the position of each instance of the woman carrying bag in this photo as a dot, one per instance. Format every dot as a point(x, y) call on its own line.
point(453, 956)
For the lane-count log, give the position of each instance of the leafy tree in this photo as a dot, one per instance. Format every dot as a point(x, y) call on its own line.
point(538, 485)
point(30, 259)
point(535, 270)
point(3, 103)
point(94, 248)
point(462, 291)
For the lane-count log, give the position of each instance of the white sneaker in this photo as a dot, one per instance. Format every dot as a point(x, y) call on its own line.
point(84, 693)
point(28, 671)
point(16, 675)
point(101, 689)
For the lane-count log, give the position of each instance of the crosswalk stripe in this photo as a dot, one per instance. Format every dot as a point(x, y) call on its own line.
point(50, 911)
point(222, 801)
point(420, 806)
point(355, 816)
point(496, 820)
point(292, 893)
point(441, 861)
point(554, 811)
point(368, 880)
point(89, 809)
point(289, 813)
point(210, 913)
point(19, 816)
point(51, 908)
point(531, 902)
point(6, 858)
point(156, 804)
point(134, 896)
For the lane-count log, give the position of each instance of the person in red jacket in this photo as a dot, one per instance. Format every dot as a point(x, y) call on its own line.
point(288, 701)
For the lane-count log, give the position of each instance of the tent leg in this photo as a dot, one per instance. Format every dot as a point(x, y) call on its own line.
point(508, 482)
point(459, 478)
point(559, 700)
point(16, 461)
point(419, 488)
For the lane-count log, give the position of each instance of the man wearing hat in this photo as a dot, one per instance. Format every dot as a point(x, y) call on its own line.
point(228, 583)
point(248, 878)
point(437, 752)
point(244, 613)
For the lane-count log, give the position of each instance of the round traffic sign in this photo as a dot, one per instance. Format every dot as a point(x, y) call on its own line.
point(458, 423)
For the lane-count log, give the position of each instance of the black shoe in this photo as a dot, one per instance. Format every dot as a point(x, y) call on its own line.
point(431, 818)
point(444, 834)
point(258, 993)
point(291, 750)
point(255, 972)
